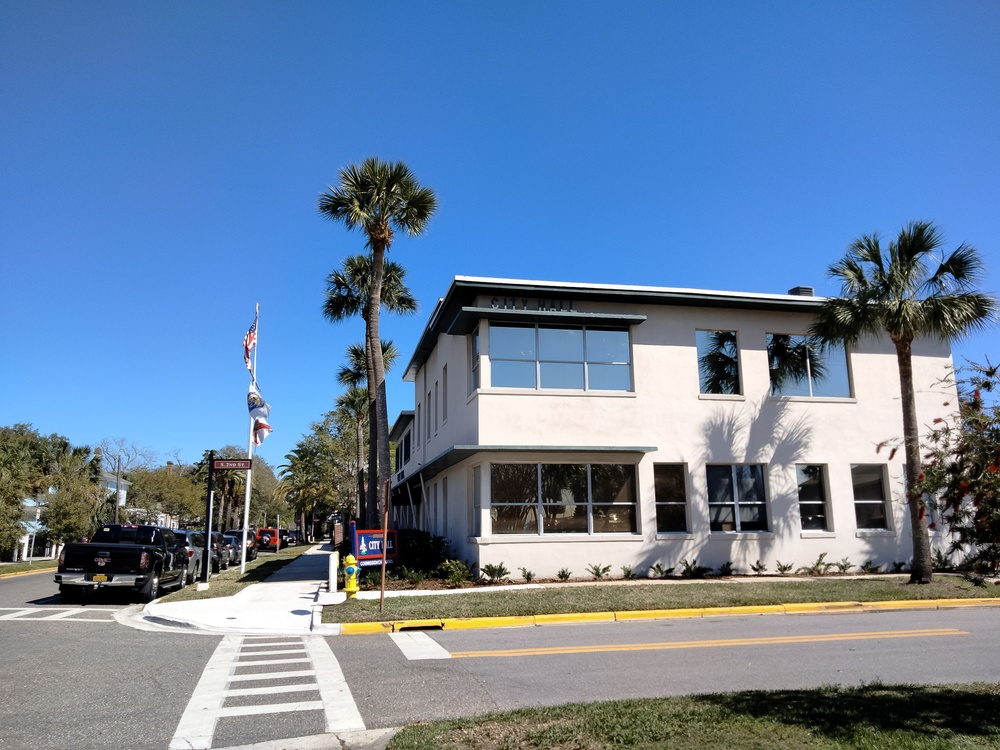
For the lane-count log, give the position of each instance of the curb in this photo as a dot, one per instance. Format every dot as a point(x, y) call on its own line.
point(469, 623)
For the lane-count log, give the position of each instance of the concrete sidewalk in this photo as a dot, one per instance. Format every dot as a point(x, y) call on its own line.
point(290, 601)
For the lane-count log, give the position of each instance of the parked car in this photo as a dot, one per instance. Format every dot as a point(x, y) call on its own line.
point(235, 548)
point(140, 558)
point(251, 550)
point(270, 539)
point(194, 545)
point(219, 554)
point(293, 536)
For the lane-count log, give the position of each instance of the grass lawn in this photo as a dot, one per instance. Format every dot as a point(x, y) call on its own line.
point(24, 567)
point(629, 596)
point(871, 717)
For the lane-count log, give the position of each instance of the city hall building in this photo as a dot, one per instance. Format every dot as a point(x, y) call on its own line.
point(557, 426)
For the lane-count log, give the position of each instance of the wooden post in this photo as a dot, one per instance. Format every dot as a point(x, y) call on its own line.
point(385, 536)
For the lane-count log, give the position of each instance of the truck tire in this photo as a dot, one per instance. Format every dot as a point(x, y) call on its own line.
point(70, 594)
point(182, 579)
point(152, 588)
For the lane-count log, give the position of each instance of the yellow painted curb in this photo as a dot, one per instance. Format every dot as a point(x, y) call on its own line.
point(823, 607)
point(656, 614)
point(749, 609)
point(992, 602)
point(575, 617)
point(365, 628)
point(29, 572)
point(469, 623)
point(903, 604)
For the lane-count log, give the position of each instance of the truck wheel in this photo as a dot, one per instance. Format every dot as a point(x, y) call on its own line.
point(70, 594)
point(182, 579)
point(152, 589)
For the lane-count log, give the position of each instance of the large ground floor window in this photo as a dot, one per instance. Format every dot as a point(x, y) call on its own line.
point(736, 499)
point(563, 498)
point(869, 496)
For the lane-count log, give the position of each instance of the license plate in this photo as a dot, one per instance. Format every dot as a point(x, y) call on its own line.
point(100, 577)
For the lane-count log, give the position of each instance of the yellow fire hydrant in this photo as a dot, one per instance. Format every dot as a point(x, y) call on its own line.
point(351, 577)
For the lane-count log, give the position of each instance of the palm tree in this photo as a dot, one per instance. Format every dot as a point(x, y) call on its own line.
point(354, 406)
point(353, 376)
point(347, 294)
point(894, 291)
point(379, 198)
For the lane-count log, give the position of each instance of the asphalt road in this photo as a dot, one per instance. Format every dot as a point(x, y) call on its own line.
point(75, 677)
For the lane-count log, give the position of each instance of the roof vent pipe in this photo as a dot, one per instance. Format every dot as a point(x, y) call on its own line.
point(801, 291)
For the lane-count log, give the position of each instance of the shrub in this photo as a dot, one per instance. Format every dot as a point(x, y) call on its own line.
point(627, 572)
point(454, 572)
point(819, 568)
point(418, 550)
point(783, 567)
point(898, 565)
point(527, 575)
point(694, 570)
point(495, 573)
point(659, 571)
point(844, 565)
point(563, 574)
point(726, 569)
point(869, 567)
point(759, 567)
point(598, 571)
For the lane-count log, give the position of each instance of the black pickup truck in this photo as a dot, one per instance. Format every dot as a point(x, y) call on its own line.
point(140, 558)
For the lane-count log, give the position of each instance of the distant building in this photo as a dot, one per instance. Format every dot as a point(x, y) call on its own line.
point(559, 426)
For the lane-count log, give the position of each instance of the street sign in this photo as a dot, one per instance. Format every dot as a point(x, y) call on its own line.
point(241, 464)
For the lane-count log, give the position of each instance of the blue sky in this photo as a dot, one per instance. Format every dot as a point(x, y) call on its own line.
point(160, 165)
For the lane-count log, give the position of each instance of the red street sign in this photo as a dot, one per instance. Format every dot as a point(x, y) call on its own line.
point(242, 464)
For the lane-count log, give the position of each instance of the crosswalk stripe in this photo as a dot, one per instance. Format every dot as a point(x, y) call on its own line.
point(417, 646)
point(207, 705)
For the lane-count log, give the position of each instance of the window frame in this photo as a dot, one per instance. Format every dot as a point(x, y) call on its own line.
point(673, 503)
point(543, 367)
point(883, 501)
point(820, 351)
point(599, 513)
point(824, 501)
point(702, 355)
point(736, 502)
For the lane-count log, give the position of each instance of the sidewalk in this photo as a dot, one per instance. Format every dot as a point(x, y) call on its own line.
point(290, 601)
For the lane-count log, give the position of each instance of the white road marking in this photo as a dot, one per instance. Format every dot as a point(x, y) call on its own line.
point(417, 646)
point(36, 614)
point(196, 728)
point(341, 711)
point(197, 724)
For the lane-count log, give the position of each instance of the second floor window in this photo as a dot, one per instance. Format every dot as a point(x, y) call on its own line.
point(800, 366)
point(539, 357)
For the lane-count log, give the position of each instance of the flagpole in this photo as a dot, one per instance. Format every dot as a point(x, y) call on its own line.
point(246, 496)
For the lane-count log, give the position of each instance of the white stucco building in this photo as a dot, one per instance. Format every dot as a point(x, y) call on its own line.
point(560, 425)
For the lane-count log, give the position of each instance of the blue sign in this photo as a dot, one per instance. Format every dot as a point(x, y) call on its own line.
point(367, 546)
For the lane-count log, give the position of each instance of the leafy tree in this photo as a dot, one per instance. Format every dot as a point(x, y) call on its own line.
point(379, 198)
point(348, 292)
point(168, 489)
point(907, 290)
point(962, 469)
point(316, 479)
point(77, 503)
point(22, 476)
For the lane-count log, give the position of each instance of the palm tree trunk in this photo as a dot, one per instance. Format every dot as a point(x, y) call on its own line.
point(359, 435)
point(381, 426)
point(922, 568)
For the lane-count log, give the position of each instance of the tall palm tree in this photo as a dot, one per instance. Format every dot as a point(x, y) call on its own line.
point(908, 290)
point(347, 294)
point(379, 198)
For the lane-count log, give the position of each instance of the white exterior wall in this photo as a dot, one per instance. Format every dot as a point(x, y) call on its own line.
point(666, 412)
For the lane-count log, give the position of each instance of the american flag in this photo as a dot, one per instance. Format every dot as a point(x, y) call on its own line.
point(249, 342)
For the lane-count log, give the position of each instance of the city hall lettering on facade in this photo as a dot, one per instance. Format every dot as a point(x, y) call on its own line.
point(523, 303)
